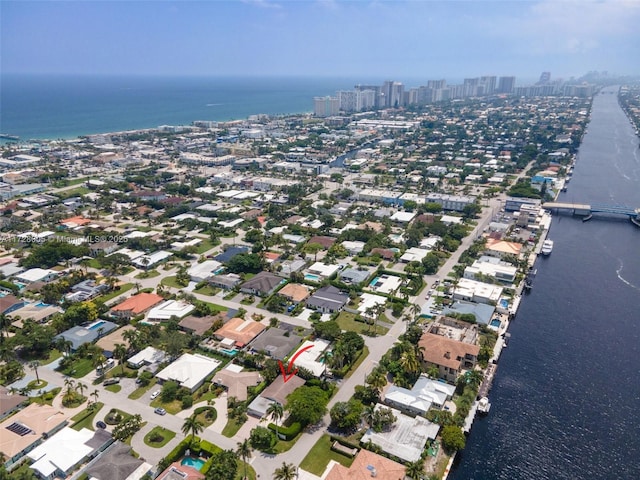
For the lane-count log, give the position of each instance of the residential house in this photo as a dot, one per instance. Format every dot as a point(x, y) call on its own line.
point(263, 284)
point(328, 299)
point(136, 305)
point(294, 292)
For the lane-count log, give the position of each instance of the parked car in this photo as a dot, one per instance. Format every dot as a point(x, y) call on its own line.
point(160, 411)
point(111, 381)
point(155, 394)
point(101, 425)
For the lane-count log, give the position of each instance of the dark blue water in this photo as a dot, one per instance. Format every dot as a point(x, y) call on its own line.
point(68, 106)
point(567, 394)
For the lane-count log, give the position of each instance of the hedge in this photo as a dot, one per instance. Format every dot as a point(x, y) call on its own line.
point(210, 449)
point(177, 452)
point(290, 432)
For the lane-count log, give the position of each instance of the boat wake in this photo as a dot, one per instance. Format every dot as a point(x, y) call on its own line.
point(622, 279)
point(214, 104)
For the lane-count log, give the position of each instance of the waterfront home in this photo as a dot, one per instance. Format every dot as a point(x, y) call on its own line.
point(365, 465)
point(406, 437)
point(450, 356)
point(425, 394)
point(479, 292)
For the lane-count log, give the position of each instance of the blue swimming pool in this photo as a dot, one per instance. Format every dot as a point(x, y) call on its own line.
point(42, 304)
point(374, 281)
point(504, 303)
point(495, 322)
point(231, 352)
point(96, 325)
point(192, 462)
point(312, 277)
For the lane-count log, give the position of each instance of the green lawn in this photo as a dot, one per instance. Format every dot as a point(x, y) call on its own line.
point(347, 321)
point(204, 246)
point(158, 437)
point(215, 307)
point(139, 392)
point(123, 289)
point(207, 290)
point(148, 274)
point(113, 388)
point(354, 367)
point(124, 416)
point(78, 368)
point(251, 473)
point(171, 407)
point(231, 428)
point(73, 192)
point(84, 419)
point(171, 282)
point(319, 456)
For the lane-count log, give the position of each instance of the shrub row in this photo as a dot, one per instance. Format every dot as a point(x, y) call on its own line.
point(290, 432)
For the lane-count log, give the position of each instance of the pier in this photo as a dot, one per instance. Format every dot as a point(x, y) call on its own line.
point(587, 210)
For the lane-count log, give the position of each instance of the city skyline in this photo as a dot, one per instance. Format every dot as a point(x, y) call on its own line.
point(379, 39)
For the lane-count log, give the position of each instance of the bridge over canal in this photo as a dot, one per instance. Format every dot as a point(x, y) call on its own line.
point(588, 209)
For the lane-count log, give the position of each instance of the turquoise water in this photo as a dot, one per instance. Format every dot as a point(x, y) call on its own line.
point(192, 462)
point(504, 303)
point(233, 352)
point(312, 277)
point(495, 322)
point(95, 325)
point(374, 281)
point(66, 106)
point(41, 304)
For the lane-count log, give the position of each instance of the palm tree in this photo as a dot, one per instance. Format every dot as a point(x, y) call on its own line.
point(34, 366)
point(120, 352)
point(377, 380)
point(287, 471)
point(416, 310)
point(69, 383)
point(244, 452)
point(415, 470)
point(276, 412)
point(95, 395)
point(192, 425)
point(409, 362)
point(369, 414)
point(80, 387)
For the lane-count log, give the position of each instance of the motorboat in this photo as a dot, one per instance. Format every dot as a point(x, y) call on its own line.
point(547, 247)
point(484, 405)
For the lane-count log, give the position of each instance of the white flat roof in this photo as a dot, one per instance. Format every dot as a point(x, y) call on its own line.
point(168, 309)
point(369, 300)
point(309, 358)
point(189, 370)
point(62, 451)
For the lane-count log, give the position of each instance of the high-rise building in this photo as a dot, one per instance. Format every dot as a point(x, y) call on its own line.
point(393, 94)
point(326, 106)
point(545, 78)
point(506, 84)
point(489, 83)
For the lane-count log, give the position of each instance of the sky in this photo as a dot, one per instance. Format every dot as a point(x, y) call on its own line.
point(392, 39)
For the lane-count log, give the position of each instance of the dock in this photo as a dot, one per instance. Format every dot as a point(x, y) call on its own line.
point(483, 391)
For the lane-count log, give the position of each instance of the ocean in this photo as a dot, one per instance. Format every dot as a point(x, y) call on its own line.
point(57, 106)
point(566, 396)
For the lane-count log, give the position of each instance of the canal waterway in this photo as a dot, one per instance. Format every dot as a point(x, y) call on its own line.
point(566, 398)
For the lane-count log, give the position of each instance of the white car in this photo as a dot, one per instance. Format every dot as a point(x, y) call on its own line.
point(155, 394)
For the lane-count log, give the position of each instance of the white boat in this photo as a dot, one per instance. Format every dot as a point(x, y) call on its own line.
point(547, 247)
point(484, 405)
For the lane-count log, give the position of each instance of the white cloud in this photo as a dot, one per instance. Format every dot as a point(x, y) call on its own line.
point(263, 4)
